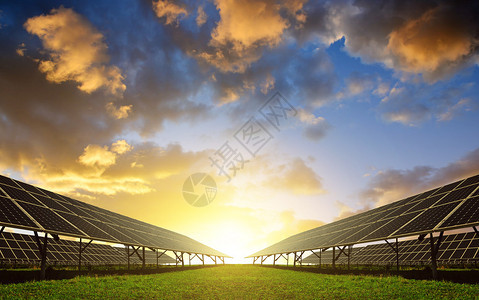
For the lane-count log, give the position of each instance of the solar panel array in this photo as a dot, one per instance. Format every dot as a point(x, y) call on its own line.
point(448, 207)
point(22, 248)
point(25, 206)
point(455, 248)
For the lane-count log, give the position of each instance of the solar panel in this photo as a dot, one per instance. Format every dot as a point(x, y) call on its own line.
point(417, 214)
point(22, 248)
point(455, 248)
point(44, 210)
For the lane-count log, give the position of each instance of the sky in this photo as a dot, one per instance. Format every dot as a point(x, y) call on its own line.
point(343, 105)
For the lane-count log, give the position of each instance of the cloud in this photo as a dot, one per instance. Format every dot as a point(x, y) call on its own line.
point(391, 185)
point(297, 177)
point(452, 111)
point(245, 29)
point(77, 52)
point(121, 147)
point(95, 155)
point(358, 83)
point(435, 43)
point(21, 49)
point(121, 112)
point(411, 105)
point(316, 127)
point(98, 156)
point(201, 17)
point(169, 10)
point(431, 38)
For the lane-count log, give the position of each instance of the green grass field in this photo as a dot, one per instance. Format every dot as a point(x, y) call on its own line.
point(238, 282)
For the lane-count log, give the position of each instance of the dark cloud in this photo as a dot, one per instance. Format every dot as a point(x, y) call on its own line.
point(432, 38)
point(391, 185)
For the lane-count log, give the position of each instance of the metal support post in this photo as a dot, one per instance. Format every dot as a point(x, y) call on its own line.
point(80, 253)
point(349, 256)
point(144, 259)
point(128, 255)
point(396, 250)
point(43, 254)
point(334, 256)
point(434, 251)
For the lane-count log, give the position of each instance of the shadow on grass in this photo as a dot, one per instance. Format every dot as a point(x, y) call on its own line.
point(18, 276)
point(458, 276)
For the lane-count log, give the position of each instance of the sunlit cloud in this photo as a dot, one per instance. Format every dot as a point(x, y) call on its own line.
point(201, 17)
point(297, 178)
point(169, 10)
point(245, 29)
point(95, 155)
point(77, 51)
point(121, 112)
point(315, 127)
point(434, 43)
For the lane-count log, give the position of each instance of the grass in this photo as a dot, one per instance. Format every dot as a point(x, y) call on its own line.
point(238, 282)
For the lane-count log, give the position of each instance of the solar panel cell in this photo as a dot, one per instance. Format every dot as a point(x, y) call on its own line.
point(19, 194)
point(11, 214)
point(456, 195)
point(6, 180)
point(469, 181)
point(427, 220)
point(467, 213)
point(49, 219)
point(448, 187)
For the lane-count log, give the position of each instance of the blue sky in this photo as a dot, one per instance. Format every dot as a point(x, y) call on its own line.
point(116, 104)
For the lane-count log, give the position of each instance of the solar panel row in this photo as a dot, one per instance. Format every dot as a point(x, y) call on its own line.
point(455, 248)
point(448, 207)
point(25, 206)
point(22, 248)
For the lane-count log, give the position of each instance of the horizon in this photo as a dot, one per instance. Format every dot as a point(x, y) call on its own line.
point(238, 123)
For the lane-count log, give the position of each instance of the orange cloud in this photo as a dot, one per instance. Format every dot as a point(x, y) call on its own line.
point(95, 155)
point(201, 17)
point(121, 147)
point(168, 10)
point(427, 43)
point(298, 178)
point(244, 29)
point(121, 112)
point(77, 51)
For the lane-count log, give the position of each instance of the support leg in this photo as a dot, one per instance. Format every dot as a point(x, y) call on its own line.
point(334, 258)
point(434, 251)
point(42, 248)
point(128, 255)
point(79, 257)
point(143, 259)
